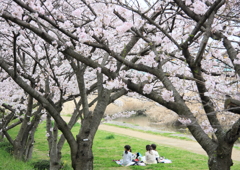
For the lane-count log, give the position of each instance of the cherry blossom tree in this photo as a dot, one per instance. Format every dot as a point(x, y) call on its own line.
point(173, 52)
point(54, 72)
point(18, 105)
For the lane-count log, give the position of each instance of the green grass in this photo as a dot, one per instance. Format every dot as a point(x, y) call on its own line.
point(8, 163)
point(105, 150)
point(108, 146)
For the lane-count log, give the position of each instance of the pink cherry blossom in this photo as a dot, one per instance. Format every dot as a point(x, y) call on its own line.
point(124, 27)
point(185, 121)
point(77, 12)
point(147, 89)
point(168, 95)
point(199, 7)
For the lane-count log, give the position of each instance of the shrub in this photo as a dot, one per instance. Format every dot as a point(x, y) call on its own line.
point(45, 165)
point(110, 137)
point(41, 165)
point(66, 167)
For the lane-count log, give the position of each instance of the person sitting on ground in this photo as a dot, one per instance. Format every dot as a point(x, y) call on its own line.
point(128, 156)
point(155, 152)
point(150, 156)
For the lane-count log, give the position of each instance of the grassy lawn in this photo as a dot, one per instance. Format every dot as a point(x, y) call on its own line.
point(108, 146)
point(108, 149)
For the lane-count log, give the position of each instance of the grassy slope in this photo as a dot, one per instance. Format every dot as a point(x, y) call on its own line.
point(108, 146)
point(8, 163)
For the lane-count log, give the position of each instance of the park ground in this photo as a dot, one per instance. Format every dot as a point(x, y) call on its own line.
point(189, 145)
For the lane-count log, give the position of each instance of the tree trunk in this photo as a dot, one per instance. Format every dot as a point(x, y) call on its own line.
point(17, 150)
point(28, 148)
point(23, 145)
point(83, 160)
point(31, 132)
point(55, 154)
point(24, 142)
point(19, 145)
point(84, 156)
point(220, 159)
point(1, 136)
point(1, 132)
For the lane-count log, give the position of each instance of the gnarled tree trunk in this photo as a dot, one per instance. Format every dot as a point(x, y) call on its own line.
point(220, 158)
point(24, 142)
point(54, 153)
point(83, 159)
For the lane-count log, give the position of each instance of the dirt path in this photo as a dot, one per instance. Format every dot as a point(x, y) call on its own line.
point(191, 146)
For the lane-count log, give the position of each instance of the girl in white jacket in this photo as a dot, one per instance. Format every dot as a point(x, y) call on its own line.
point(150, 157)
point(154, 147)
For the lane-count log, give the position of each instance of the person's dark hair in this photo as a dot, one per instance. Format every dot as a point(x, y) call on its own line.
point(128, 148)
point(148, 148)
point(153, 146)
